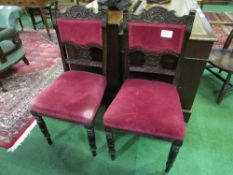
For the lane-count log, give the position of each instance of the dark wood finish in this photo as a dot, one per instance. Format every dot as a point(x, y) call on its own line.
point(110, 141)
point(172, 154)
point(145, 63)
point(91, 58)
point(91, 139)
point(42, 11)
point(187, 85)
point(39, 11)
point(138, 62)
point(80, 57)
point(192, 64)
point(43, 128)
point(114, 63)
point(222, 59)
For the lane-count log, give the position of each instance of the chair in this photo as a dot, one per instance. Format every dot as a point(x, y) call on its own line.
point(149, 107)
point(222, 59)
point(10, 16)
point(76, 95)
point(11, 50)
point(43, 12)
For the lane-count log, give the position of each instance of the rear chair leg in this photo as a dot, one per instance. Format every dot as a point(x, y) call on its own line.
point(110, 141)
point(25, 60)
point(43, 129)
point(172, 154)
point(1, 86)
point(91, 139)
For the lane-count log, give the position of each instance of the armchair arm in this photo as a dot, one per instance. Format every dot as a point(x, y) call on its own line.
point(7, 34)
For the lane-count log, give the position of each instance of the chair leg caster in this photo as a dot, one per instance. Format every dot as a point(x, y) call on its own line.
point(167, 170)
point(49, 141)
point(93, 153)
point(112, 155)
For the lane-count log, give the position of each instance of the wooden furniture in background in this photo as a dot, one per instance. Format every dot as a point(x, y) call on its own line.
point(222, 58)
point(34, 7)
point(11, 50)
point(201, 3)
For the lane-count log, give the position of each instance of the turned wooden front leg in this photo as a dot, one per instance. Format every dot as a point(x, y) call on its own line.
point(91, 139)
point(110, 141)
point(43, 129)
point(172, 154)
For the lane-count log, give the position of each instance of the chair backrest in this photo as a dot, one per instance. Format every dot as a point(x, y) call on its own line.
point(154, 42)
point(82, 39)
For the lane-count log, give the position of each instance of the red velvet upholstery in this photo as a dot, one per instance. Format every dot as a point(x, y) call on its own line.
point(74, 96)
point(89, 34)
point(147, 107)
point(148, 36)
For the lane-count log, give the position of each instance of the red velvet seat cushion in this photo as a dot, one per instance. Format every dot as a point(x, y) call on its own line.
point(74, 96)
point(147, 107)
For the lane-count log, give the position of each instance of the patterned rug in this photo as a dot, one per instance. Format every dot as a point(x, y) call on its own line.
point(221, 32)
point(219, 18)
point(24, 82)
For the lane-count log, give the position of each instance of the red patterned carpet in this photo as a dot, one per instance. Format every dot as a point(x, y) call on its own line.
point(219, 18)
point(24, 82)
point(222, 24)
point(221, 32)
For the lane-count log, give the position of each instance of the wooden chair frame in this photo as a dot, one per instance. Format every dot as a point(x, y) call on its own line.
point(153, 15)
point(75, 12)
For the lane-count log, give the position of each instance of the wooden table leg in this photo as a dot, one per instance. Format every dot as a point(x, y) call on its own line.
point(30, 11)
point(44, 20)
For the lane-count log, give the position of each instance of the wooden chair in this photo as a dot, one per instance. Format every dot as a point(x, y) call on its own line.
point(154, 42)
point(222, 58)
point(43, 12)
point(77, 94)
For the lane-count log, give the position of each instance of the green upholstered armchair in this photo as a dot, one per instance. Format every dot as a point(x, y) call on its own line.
point(11, 50)
point(10, 16)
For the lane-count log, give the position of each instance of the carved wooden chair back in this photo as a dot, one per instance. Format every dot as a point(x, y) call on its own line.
point(82, 39)
point(154, 41)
